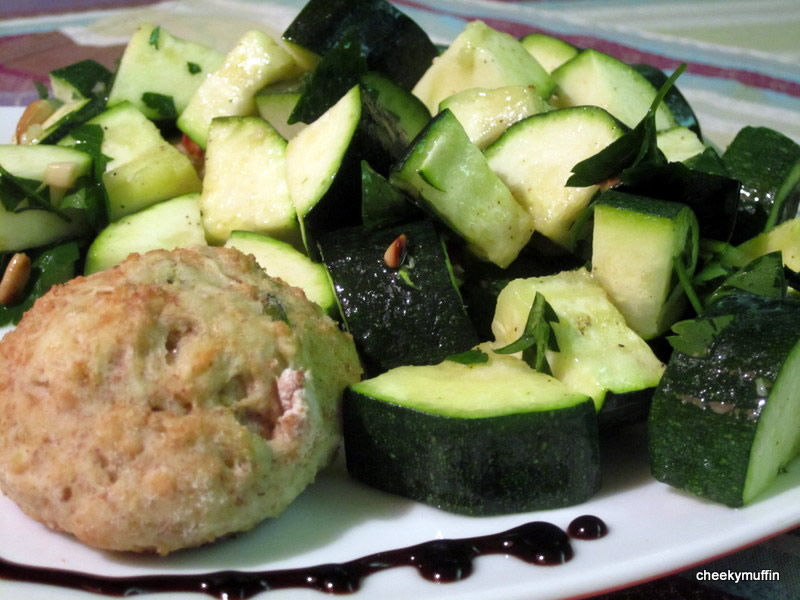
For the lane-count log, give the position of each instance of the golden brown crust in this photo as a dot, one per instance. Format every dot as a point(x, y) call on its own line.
point(176, 398)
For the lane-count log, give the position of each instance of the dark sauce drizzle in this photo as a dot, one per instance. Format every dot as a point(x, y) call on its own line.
point(441, 561)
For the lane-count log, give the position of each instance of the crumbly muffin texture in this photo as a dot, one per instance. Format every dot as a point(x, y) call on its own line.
point(176, 398)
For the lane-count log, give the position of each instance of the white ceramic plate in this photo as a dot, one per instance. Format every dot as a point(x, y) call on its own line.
point(654, 530)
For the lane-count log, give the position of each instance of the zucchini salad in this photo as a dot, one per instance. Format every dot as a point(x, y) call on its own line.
point(531, 244)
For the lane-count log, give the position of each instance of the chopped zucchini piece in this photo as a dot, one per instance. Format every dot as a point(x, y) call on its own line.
point(470, 199)
point(597, 79)
point(144, 168)
point(481, 57)
point(245, 187)
point(785, 237)
point(276, 102)
point(487, 113)
point(397, 294)
point(80, 80)
point(768, 165)
point(597, 351)
point(256, 61)
point(324, 159)
point(157, 62)
point(392, 42)
point(406, 110)
point(535, 157)
point(635, 244)
point(480, 439)
point(550, 52)
point(679, 144)
point(285, 262)
point(729, 441)
point(170, 224)
point(320, 169)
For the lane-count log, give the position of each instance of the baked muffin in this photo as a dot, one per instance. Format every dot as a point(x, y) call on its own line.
point(178, 397)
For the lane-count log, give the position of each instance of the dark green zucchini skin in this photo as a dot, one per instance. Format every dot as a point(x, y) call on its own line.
point(714, 198)
point(382, 204)
point(394, 43)
point(706, 408)
point(396, 318)
point(624, 408)
point(486, 466)
point(768, 165)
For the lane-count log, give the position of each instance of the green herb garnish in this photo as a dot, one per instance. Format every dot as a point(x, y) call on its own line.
point(163, 105)
point(538, 336)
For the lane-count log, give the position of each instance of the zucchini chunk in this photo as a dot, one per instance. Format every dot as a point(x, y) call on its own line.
point(785, 237)
point(406, 113)
point(768, 165)
point(403, 308)
point(276, 102)
point(30, 228)
point(245, 185)
point(594, 78)
point(679, 144)
point(471, 200)
point(535, 157)
point(144, 168)
point(170, 224)
point(80, 80)
point(323, 161)
point(635, 243)
point(321, 166)
point(549, 51)
point(393, 43)
point(283, 261)
point(729, 441)
point(481, 57)
point(256, 61)
point(597, 352)
point(478, 439)
point(487, 113)
point(156, 64)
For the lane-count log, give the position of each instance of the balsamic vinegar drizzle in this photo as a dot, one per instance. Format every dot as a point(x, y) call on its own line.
point(441, 561)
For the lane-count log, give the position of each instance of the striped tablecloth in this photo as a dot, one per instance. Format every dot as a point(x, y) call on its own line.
point(743, 67)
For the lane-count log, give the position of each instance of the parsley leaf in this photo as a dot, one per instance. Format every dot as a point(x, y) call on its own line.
point(18, 194)
point(194, 68)
point(162, 104)
point(538, 336)
point(469, 357)
point(764, 276)
point(695, 337)
point(154, 35)
point(89, 138)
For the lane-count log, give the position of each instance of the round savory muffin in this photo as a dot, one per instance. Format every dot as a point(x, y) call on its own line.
point(178, 397)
